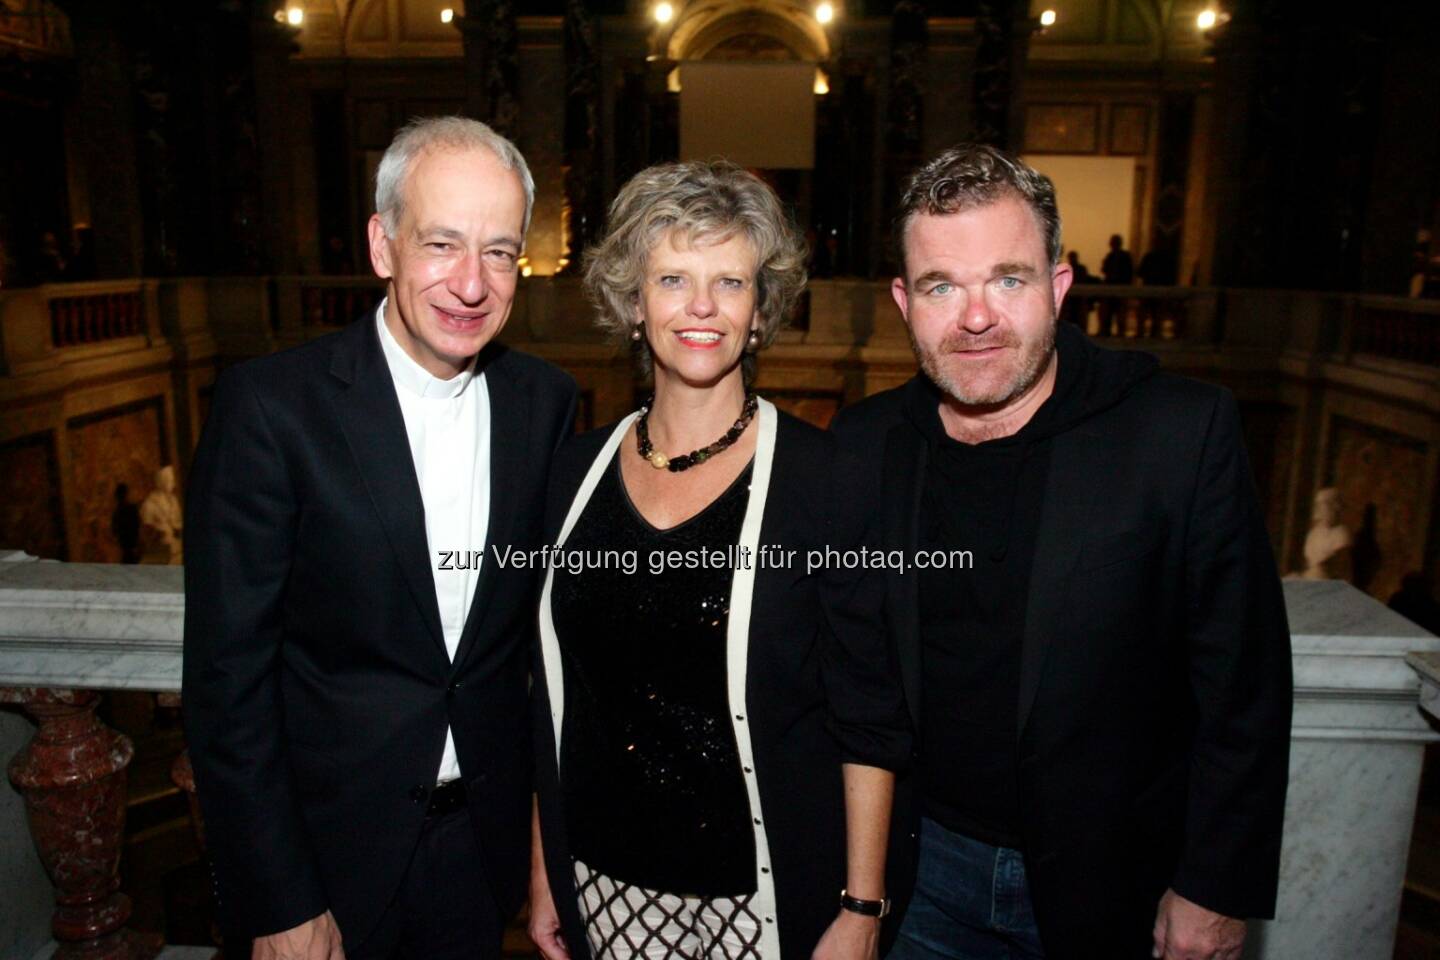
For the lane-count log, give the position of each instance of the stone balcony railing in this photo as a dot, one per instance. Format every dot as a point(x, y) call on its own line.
point(41, 327)
point(848, 342)
point(1428, 666)
point(171, 335)
point(68, 632)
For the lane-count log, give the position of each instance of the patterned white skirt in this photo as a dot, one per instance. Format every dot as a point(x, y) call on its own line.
point(624, 922)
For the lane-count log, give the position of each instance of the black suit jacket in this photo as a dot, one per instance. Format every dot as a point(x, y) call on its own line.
point(820, 687)
point(317, 687)
point(1154, 711)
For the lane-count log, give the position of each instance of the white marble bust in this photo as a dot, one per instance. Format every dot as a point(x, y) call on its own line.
point(1327, 545)
point(162, 521)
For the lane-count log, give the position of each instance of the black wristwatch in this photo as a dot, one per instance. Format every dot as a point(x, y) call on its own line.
point(866, 908)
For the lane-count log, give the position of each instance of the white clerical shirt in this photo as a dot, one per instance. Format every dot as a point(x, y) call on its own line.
point(448, 425)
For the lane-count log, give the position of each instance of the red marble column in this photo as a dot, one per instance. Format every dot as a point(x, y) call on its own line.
point(72, 776)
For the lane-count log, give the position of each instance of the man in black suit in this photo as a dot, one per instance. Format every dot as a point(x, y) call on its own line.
point(355, 655)
point(1094, 648)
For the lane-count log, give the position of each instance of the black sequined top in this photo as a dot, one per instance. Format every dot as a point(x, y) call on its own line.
point(653, 790)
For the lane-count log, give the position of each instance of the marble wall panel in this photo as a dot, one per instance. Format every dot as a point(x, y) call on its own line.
point(116, 446)
point(1062, 128)
point(1381, 476)
point(31, 513)
point(1129, 129)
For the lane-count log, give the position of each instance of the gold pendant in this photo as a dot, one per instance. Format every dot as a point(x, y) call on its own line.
point(658, 460)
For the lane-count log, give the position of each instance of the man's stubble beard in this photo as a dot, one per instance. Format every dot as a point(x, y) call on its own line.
point(1032, 366)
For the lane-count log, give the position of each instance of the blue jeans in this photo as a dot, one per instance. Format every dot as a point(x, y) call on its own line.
point(971, 903)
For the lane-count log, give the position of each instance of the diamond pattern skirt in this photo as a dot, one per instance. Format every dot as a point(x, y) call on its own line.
point(623, 921)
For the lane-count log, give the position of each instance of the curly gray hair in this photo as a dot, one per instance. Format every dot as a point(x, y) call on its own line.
point(703, 202)
point(973, 175)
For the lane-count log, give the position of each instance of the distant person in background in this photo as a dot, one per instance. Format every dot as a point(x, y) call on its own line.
point(81, 265)
point(1076, 307)
point(1118, 268)
point(49, 259)
point(1157, 269)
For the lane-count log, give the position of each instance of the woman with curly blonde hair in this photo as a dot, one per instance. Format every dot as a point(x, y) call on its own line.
point(717, 723)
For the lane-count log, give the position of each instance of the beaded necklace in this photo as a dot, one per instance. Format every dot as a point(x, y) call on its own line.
point(685, 461)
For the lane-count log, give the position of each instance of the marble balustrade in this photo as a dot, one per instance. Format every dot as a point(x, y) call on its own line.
point(67, 632)
point(1356, 749)
point(1427, 664)
point(70, 630)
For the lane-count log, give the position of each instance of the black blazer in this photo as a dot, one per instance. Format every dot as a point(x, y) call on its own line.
point(1154, 712)
point(820, 686)
point(317, 688)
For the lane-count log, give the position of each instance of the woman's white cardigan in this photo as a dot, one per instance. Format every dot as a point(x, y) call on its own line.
point(737, 643)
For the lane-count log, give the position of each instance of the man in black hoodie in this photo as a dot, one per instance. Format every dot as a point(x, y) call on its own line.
point(1102, 694)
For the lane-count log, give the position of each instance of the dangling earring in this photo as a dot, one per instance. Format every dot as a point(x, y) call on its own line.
point(753, 343)
point(635, 333)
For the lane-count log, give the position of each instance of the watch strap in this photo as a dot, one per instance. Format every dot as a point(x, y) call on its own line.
point(867, 908)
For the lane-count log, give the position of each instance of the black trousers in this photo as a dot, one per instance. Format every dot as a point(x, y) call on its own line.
point(444, 909)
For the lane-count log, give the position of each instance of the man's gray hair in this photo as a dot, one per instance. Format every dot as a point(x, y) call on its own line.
point(440, 133)
point(976, 175)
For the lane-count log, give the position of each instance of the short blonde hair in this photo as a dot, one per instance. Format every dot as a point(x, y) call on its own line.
point(703, 202)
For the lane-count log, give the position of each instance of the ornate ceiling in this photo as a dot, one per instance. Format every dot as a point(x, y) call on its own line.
point(388, 29)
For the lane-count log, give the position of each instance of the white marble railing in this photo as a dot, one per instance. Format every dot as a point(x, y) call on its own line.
point(1356, 750)
point(66, 631)
point(1355, 762)
point(97, 626)
point(1428, 666)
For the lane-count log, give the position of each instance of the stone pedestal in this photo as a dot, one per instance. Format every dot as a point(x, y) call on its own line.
point(72, 776)
point(1356, 750)
point(65, 629)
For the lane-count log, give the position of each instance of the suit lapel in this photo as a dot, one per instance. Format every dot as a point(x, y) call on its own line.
point(509, 442)
point(908, 457)
point(1074, 458)
point(369, 414)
